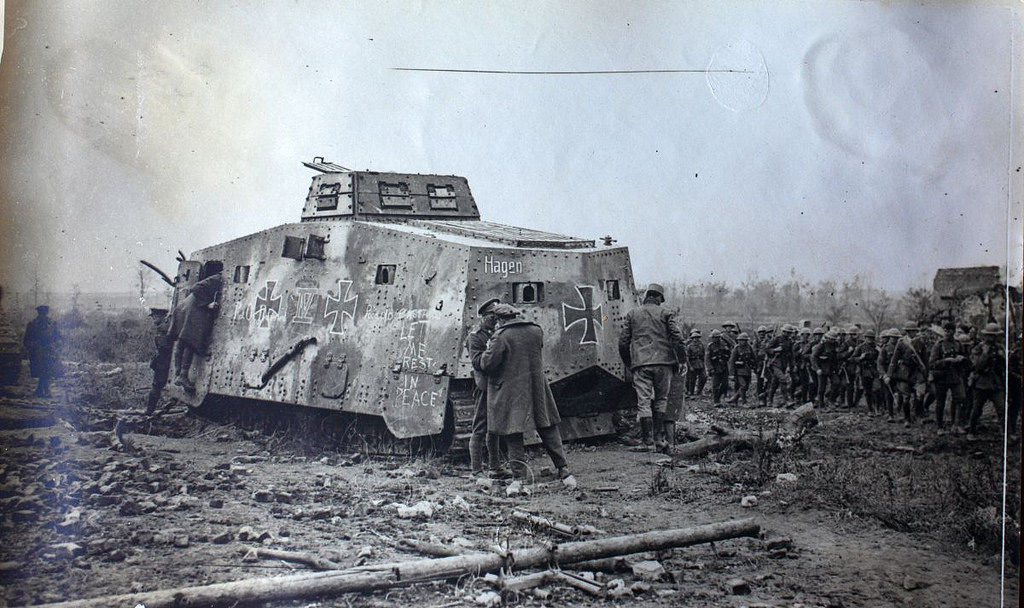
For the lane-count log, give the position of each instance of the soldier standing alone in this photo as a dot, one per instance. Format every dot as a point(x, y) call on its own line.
point(647, 345)
point(41, 341)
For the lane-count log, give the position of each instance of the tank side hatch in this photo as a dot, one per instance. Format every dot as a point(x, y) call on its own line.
point(339, 193)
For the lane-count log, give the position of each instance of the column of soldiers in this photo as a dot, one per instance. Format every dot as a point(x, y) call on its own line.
point(898, 373)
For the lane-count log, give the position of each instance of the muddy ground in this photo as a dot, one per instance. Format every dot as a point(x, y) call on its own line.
point(873, 514)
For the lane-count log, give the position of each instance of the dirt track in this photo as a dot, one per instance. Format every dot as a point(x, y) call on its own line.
point(188, 504)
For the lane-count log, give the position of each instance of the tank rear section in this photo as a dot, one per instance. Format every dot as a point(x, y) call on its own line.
point(579, 294)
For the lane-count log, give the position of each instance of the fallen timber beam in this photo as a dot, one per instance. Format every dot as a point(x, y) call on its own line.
point(384, 576)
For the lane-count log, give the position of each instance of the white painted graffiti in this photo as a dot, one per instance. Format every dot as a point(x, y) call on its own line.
point(412, 346)
point(502, 267)
point(411, 395)
point(303, 303)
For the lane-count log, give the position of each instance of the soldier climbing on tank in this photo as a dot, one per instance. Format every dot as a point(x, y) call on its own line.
point(648, 344)
point(42, 341)
point(161, 361)
point(191, 325)
point(481, 437)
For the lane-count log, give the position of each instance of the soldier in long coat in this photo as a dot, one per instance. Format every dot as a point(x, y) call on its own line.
point(989, 361)
point(160, 363)
point(519, 398)
point(41, 341)
point(191, 325)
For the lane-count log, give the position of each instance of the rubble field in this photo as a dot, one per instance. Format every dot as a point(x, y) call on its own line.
point(99, 500)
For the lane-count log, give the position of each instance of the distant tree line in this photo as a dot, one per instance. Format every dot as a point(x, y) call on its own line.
point(759, 301)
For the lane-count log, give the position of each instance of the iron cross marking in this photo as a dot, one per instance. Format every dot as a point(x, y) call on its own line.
point(340, 306)
point(588, 315)
point(267, 304)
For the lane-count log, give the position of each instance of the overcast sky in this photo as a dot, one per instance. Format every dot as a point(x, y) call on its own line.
point(859, 137)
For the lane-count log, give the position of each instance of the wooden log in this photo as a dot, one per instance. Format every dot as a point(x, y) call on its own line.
point(411, 544)
point(299, 558)
point(543, 522)
point(791, 428)
point(384, 576)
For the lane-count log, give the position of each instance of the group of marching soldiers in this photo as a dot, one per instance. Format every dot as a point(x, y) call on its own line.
point(905, 371)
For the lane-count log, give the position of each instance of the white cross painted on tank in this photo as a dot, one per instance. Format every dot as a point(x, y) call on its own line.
point(340, 306)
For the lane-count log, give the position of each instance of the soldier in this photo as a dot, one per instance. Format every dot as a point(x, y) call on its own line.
point(191, 324)
point(519, 397)
point(854, 390)
point(741, 366)
point(648, 344)
point(844, 351)
point(696, 376)
point(866, 358)
point(800, 361)
point(826, 367)
point(476, 344)
point(42, 341)
point(760, 343)
point(945, 363)
point(810, 375)
point(730, 333)
point(716, 361)
point(885, 354)
point(160, 363)
point(908, 370)
point(780, 356)
point(989, 361)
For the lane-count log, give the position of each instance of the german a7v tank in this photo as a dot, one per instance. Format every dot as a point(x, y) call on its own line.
point(364, 306)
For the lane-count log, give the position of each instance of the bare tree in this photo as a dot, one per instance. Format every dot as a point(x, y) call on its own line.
point(876, 309)
point(919, 305)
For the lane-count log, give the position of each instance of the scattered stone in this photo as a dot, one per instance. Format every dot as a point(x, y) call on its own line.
point(70, 523)
point(748, 501)
point(67, 550)
point(24, 516)
point(616, 588)
point(245, 533)
point(785, 478)
point(570, 482)
point(779, 542)
point(365, 552)
point(216, 503)
point(460, 503)
point(263, 496)
point(910, 583)
point(677, 576)
point(516, 488)
point(117, 555)
point(648, 570)
point(490, 599)
point(222, 539)
point(484, 484)
point(284, 497)
point(737, 586)
point(640, 587)
point(181, 541)
point(420, 510)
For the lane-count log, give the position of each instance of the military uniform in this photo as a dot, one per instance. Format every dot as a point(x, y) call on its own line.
point(481, 437)
point(910, 372)
point(42, 341)
point(989, 362)
point(825, 362)
point(716, 361)
point(519, 397)
point(885, 353)
point(866, 358)
point(741, 366)
point(945, 362)
point(160, 363)
point(648, 344)
point(780, 357)
point(696, 376)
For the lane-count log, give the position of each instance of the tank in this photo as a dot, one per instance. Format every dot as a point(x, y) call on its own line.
point(364, 305)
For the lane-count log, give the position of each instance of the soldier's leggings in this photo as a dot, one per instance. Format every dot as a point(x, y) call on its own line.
point(695, 380)
point(652, 384)
point(981, 397)
point(956, 390)
point(719, 382)
point(550, 438)
point(742, 386)
point(481, 438)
